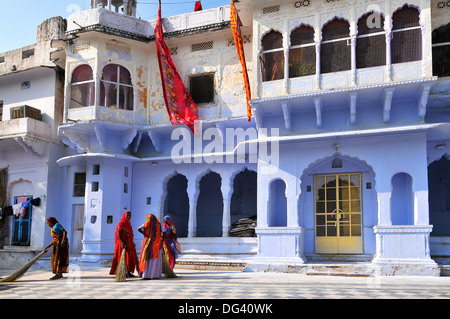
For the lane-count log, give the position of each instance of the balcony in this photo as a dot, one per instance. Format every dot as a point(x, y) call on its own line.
point(110, 22)
point(31, 134)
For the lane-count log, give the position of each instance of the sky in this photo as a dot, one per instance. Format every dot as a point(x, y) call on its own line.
point(20, 18)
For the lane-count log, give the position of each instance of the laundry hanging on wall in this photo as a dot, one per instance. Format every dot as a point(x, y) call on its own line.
point(19, 209)
point(179, 104)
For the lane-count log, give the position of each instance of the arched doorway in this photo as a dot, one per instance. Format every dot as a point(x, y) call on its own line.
point(176, 203)
point(338, 203)
point(243, 204)
point(439, 196)
point(210, 206)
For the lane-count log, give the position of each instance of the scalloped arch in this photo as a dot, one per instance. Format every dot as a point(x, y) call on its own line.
point(320, 161)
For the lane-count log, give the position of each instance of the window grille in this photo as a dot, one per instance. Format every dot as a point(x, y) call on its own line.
point(82, 87)
point(271, 9)
point(80, 46)
point(202, 46)
point(173, 51)
point(272, 57)
point(335, 52)
point(118, 48)
point(441, 51)
point(246, 38)
point(443, 4)
point(406, 42)
point(371, 41)
point(302, 3)
point(302, 53)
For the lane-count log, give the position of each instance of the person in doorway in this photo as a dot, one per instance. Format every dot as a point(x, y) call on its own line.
point(124, 238)
point(171, 245)
point(60, 250)
point(150, 263)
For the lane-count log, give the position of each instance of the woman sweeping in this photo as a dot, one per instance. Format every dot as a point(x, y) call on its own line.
point(150, 264)
point(60, 250)
point(124, 238)
point(171, 246)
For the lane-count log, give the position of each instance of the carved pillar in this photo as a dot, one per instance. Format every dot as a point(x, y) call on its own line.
point(192, 223)
point(353, 59)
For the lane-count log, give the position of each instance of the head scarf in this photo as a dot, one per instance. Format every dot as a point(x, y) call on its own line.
point(125, 224)
point(52, 221)
point(152, 241)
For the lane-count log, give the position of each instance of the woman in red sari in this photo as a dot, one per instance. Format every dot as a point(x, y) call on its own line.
point(60, 250)
point(150, 264)
point(124, 239)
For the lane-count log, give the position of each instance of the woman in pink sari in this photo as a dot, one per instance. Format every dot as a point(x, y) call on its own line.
point(150, 264)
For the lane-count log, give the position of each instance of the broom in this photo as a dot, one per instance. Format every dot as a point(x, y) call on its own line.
point(19, 273)
point(122, 271)
point(166, 268)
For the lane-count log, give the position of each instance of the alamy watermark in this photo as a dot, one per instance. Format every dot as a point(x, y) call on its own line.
point(229, 145)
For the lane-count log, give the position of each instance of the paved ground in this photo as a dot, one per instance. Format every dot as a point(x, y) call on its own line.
point(96, 283)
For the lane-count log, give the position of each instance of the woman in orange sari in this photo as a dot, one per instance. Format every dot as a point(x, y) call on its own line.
point(150, 264)
point(60, 250)
point(124, 239)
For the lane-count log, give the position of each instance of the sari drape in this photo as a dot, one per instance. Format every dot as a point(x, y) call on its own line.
point(125, 229)
point(179, 104)
point(60, 251)
point(152, 242)
point(171, 245)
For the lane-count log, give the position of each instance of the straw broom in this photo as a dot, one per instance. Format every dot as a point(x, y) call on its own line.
point(122, 271)
point(166, 268)
point(19, 273)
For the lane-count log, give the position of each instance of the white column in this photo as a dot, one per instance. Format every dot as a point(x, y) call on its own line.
point(192, 224)
point(388, 30)
point(384, 209)
point(291, 203)
point(353, 59)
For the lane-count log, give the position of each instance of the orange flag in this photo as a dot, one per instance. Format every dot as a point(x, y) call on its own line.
point(237, 35)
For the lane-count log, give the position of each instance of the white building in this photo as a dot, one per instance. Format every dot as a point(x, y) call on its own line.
point(31, 101)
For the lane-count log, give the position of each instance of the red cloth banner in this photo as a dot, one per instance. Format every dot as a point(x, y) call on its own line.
point(237, 35)
point(179, 104)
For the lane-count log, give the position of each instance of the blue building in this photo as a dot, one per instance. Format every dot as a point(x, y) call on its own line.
point(345, 159)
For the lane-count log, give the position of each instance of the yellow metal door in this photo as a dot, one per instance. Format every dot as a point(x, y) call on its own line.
point(338, 214)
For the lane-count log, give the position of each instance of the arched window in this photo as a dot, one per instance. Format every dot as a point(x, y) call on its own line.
point(441, 51)
point(116, 89)
point(277, 214)
point(402, 200)
point(82, 87)
point(371, 41)
point(406, 43)
point(272, 56)
point(335, 52)
point(302, 53)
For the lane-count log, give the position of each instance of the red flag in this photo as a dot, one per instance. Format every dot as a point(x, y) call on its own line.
point(179, 104)
point(237, 35)
point(198, 6)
